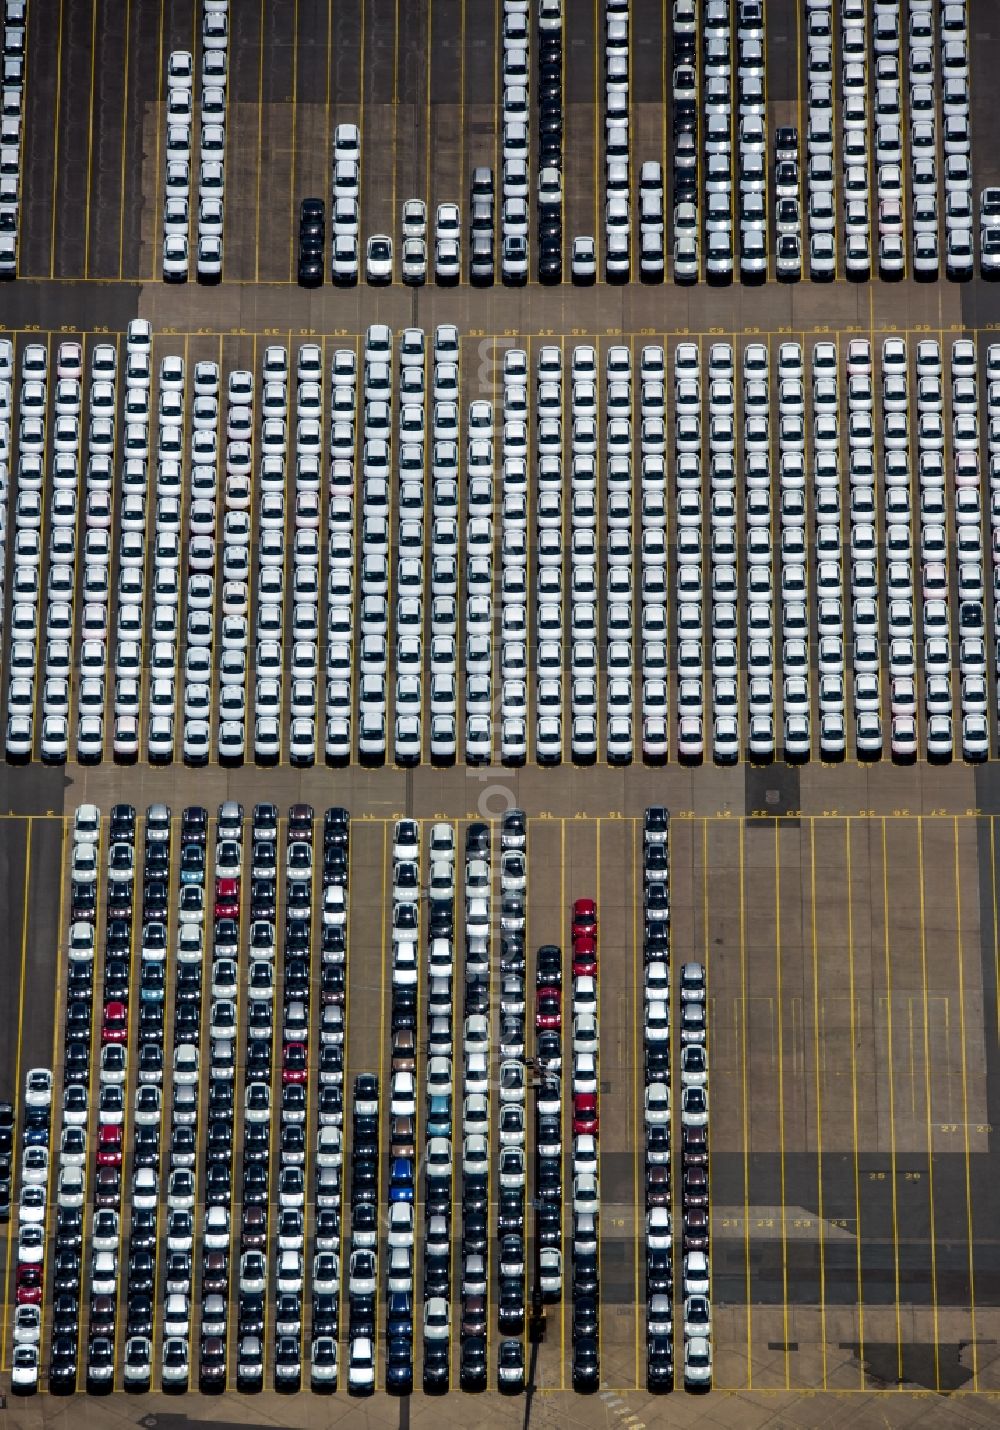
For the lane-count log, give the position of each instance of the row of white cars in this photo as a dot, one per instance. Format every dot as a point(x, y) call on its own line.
point(180, 195)
point(881, 202)
point(11, 131)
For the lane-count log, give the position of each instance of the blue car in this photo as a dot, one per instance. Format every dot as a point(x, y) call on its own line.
point(401, 1180)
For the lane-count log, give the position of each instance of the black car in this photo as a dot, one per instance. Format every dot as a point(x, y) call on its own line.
point(296, 978)
point(399, 1365)
point(69, 1229)
point(83, 903)
point(141, 1271)
point(146, 1147)
point(510, 1210)
point(65, 1315)
point(548, 968)
point(77, 1064)
point(263, 899)
point(325, 1314)
point(142, 1231)
point(62, 1365)
point(334, 864)
point(255, 1184)
point(659, 1273)
point(194, 825)
point(585, 1275)
point(218, 1184)
point(67, 1272)
point(399, 1315)
point(435, 1365)
point(361, 1310)
point(258, 1063)
point(472, 1373)
point(220, 1097)
point(265, 816)
point(584, 1317)
point(510, 1310)
point(251, 1313)
point(477, 839)
point(586, 1363)
point(659, 1364)
point(364, 1180)
point(475, 1193)
point(154, 899)
point(297, 938)
point(548, 1221)
point(474, 1234)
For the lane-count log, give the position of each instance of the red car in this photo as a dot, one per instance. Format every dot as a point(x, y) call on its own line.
point(585, 918)
point(227, 898)
point(115, 1026)
point(109, 1146)
point(294, 1063)
point(584, 955)
point(29, 1286)
point(585, 1117)
point(548, 1009)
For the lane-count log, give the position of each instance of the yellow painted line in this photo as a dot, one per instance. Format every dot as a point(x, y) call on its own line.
point(460, 196)
point(996, 924)
point(965, 1114)
point(567, 1238)
point(854, 1101)
point(927, 1093)
point(745, 1102)
point(55, 146)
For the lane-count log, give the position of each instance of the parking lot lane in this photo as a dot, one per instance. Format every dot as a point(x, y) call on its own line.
point(445, 94)
point(766, 1050)
point(580, 851)
point(580, 102)
point(243, 124)
point(275, 142)
point(40, 135)
point(380, 121)
point(544, 923)
point(70, 213)
point(106, 195)
point(411, 81)
point(310, 167)
point(482, 115)
point(367, 971)
point(618, 891)
point(15, 873)
point(138, 182)
point(706, 927)
point(831, 1064)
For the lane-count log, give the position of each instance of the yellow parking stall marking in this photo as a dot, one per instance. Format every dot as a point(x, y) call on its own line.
point(562, 1110)
point(428, 111)
point(597, 142)
point(890, 1055)
point(395, 113)
point(386, 904)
